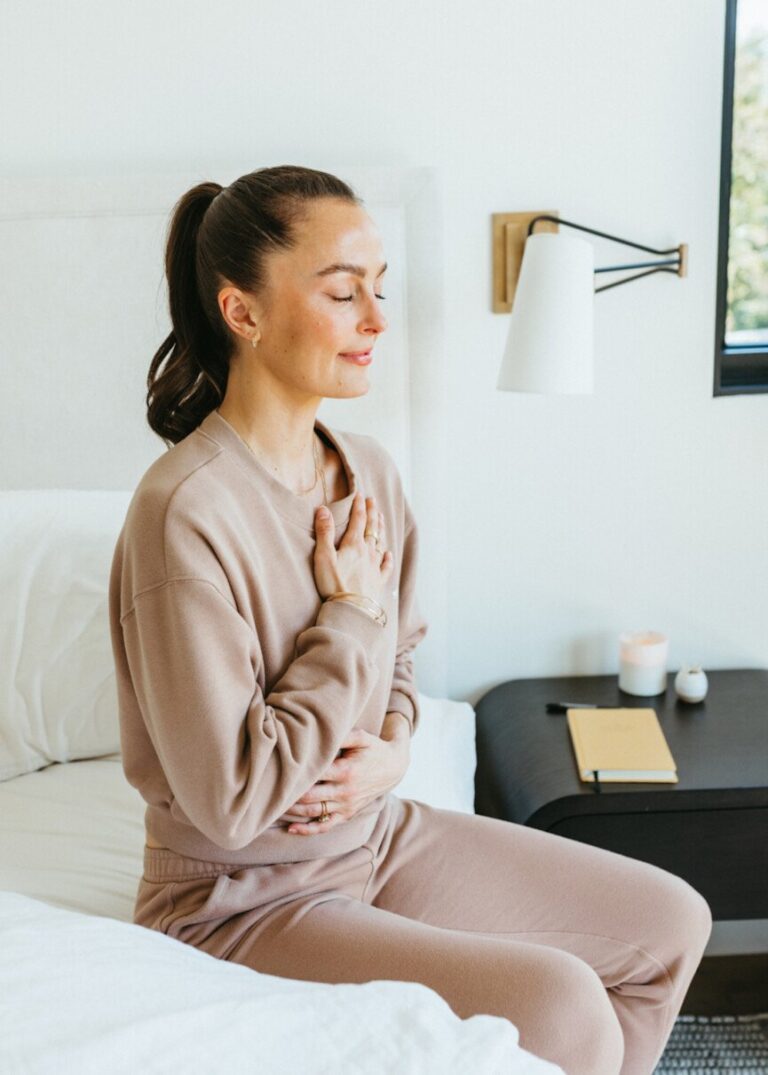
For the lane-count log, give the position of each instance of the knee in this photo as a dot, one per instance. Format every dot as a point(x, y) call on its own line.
point(579, 1029)
point(685, 913)
point(699, 914)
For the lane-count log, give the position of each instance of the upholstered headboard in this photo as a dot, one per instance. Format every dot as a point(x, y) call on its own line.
point(83, 308)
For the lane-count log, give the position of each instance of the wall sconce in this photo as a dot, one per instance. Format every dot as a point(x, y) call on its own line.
point(547, 281)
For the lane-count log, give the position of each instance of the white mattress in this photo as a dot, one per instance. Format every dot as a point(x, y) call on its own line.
point(73, 835)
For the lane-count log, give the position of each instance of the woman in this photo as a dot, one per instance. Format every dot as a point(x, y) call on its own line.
point(264, 617)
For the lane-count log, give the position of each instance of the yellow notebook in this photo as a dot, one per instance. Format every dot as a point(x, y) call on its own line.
point(621, 744)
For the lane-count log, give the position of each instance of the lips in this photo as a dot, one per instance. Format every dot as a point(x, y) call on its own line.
point(358, 358)
point(355, 354)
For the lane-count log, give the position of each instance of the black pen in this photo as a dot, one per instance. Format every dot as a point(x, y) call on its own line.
point(560, 707)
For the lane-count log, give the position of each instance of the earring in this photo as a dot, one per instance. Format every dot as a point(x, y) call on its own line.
point(253, 341)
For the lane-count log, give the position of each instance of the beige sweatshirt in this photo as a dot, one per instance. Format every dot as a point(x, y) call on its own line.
point(236, 683)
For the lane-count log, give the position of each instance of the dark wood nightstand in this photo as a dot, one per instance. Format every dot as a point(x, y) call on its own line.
point(711, 828)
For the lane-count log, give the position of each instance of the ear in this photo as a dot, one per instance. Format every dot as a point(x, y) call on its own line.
point(241, 312)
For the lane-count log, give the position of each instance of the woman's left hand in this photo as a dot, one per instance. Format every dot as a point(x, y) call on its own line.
point(369, 767)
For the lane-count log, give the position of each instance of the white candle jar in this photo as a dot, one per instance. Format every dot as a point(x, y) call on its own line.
point(643, 662)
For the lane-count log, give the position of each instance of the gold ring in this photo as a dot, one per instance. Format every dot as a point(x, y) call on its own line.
point(325, 816)
point(371, 533)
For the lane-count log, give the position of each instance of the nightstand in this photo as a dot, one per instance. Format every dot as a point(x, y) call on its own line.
point(711, 828)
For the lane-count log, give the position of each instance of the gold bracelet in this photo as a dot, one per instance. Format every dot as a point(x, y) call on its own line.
point(367, 604)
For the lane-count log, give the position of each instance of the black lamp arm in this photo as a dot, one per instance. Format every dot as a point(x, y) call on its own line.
point(659, 266)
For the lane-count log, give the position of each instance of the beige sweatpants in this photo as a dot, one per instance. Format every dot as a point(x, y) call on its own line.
point(588, 952)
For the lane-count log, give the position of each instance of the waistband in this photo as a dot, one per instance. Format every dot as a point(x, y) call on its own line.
point(161, 864)
point(174, 862)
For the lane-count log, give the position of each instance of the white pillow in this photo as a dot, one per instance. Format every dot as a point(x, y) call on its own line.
point(58, 698)
point(443, 756)
point(90, 995)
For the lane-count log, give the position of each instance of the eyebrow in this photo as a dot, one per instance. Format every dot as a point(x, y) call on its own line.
point(358, 270)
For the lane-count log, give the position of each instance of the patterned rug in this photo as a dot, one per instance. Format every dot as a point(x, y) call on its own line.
point(716, 1045)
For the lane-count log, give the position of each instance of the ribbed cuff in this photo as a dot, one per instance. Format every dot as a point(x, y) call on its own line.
point(401, 703)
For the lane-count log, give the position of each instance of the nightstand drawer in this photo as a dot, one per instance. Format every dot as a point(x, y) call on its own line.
point(722, 853)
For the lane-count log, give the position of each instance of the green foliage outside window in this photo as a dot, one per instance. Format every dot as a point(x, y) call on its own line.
point(747, 308)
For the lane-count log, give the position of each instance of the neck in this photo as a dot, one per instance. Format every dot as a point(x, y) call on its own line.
point(288, 449)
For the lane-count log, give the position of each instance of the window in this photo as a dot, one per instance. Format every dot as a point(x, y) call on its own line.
point(741, 322)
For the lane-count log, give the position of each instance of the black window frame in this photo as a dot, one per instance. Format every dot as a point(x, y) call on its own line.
point(738, 369)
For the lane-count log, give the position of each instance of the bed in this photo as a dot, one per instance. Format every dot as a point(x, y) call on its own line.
point(84, 989)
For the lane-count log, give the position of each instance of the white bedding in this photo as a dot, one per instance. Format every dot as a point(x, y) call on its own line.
point(87, 994)
point(73, 835)
point(83, 989)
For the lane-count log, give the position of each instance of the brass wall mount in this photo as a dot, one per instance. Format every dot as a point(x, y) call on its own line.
point(510, 230)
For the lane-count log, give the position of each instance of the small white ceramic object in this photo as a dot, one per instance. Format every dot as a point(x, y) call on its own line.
point(691, 683)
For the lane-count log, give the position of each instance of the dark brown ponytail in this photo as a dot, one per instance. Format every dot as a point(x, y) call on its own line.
point(218, 236)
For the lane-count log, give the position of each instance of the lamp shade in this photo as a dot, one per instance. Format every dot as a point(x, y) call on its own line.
point(550, 341)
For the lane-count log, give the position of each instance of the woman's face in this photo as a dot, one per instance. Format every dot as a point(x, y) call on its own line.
point(313, 312)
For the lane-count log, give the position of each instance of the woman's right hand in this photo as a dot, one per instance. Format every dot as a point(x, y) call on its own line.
point(356, 566)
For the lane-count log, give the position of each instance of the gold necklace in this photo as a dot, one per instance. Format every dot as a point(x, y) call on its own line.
point(321, 469)
point(318, 469)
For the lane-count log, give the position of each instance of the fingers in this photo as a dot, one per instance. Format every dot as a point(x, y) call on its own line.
point(387, 559)
point(334, 790)
point(375, 525)
point(375, 529)
point(305, 812)
point(379, 520)
point(325, 528)
point(364, 519)
point(365, 522)
point(309, 828)
point(359, 520)
point(372, 523)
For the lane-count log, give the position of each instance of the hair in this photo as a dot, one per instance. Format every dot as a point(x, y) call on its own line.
point(218, 236)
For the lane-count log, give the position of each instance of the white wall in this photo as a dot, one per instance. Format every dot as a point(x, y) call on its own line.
point(570, 518)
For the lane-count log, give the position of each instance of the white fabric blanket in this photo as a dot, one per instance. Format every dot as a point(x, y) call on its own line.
point(89, 994)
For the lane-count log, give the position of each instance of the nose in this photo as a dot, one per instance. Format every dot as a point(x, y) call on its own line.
point(374, 320)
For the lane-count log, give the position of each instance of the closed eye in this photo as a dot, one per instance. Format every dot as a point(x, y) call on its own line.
point(348, 298)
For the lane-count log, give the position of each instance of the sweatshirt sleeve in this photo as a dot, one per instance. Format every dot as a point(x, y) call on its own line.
point(412, 627)
point(236, 761)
